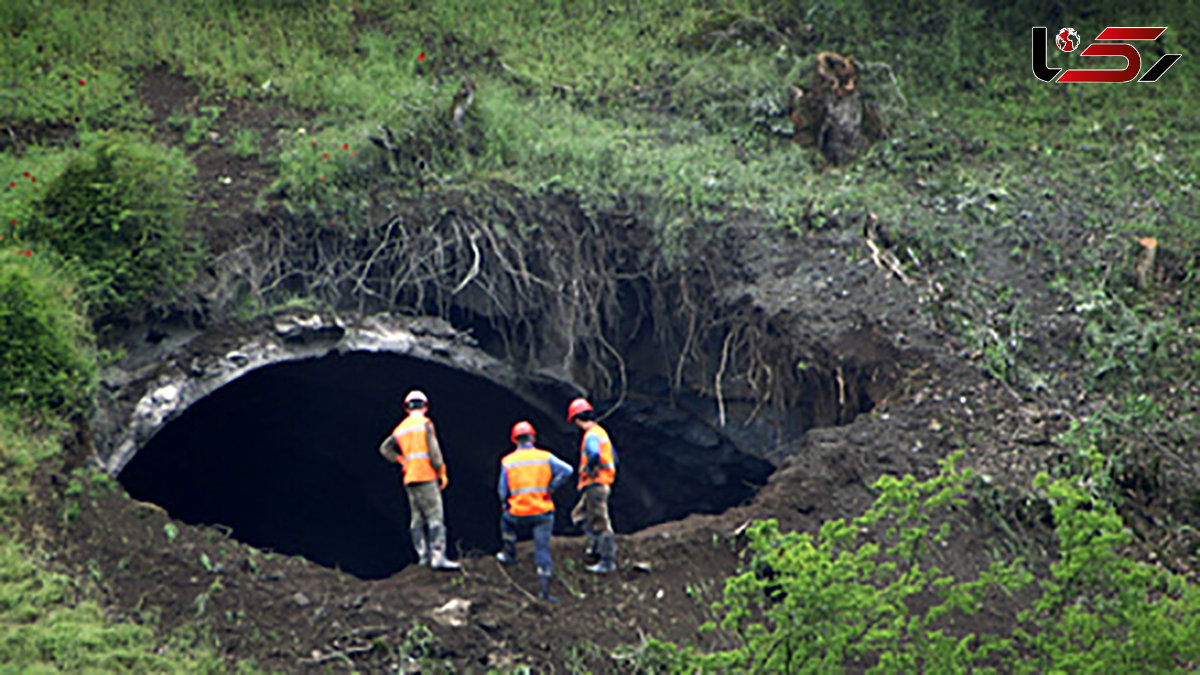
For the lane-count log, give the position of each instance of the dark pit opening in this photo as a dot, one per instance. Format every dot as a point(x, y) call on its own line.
point(287, 457)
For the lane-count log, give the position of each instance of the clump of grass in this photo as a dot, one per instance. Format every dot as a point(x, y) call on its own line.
point(245, 143)
point(47, 362)
point(117, 217)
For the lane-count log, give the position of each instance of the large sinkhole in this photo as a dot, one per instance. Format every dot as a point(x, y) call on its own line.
point(287, 457)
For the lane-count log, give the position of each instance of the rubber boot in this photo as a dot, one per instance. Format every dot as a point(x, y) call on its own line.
point(419, 543)
point(544, 588)
point(608, 555)
point(439, 561)
point(508, 552)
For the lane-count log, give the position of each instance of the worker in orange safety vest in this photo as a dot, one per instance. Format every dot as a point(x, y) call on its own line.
point(597, 472)
point(528, 476)
point(413, 444)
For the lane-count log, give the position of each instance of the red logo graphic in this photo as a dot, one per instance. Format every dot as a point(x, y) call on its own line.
point(1068, 40)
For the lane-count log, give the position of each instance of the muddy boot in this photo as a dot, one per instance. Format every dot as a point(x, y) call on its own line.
point(419, 543)
point(544, 587)
point(439, 561)
point(608, 555)
point(508, 552)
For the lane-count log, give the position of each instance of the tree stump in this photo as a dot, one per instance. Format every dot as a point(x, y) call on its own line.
point(831, 115)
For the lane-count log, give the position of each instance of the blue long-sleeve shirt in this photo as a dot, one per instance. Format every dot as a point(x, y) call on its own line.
point(559, 472)
point(591, 448)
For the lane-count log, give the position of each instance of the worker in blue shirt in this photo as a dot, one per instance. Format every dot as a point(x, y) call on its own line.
point(528, 476)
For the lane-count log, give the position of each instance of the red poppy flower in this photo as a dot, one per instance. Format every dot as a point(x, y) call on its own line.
point(33, 179)
point(12, 184)
point(421, 57)
point(345, 146)
point(313, 142)
point(25, 174)
point(82, 82)
point(13, 222)
point(324, 155)
point(28, 253)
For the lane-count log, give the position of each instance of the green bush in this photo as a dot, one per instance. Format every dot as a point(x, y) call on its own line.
point(46, 358)
point(118, 214)
point(843, 599)
point(1101, 611)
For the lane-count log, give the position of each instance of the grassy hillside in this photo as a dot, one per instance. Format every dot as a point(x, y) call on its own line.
point(676, 110)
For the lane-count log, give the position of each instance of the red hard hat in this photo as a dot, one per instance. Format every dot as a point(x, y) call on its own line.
point(577, 406)
point(522, 428)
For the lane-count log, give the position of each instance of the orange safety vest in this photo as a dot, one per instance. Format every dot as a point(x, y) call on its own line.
point(528, 473)
point(607, 469)
point(414, 450)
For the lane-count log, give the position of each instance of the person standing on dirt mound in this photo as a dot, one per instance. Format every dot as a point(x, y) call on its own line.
point(597, 471)
point(527, 477)
point(413, 444)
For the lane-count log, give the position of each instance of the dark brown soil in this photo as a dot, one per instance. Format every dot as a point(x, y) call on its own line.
point(288, 614)
point(228, 184)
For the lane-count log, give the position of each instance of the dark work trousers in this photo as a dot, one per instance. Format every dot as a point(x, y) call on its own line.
point(542, 526)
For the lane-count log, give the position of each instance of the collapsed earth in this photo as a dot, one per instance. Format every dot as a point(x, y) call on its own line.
point(596, 337)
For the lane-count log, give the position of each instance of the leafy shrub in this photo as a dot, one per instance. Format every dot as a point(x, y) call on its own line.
point(1099, 610)
point(117, 214)
point(46, 358)
point(842, 599)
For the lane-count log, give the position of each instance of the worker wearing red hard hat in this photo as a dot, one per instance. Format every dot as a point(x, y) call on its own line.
point(597, 472)
point(413, 444)
point(528, 475)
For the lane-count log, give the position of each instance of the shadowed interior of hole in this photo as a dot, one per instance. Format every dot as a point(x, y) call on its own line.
point(287, 457)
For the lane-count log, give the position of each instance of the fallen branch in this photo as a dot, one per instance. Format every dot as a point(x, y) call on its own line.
point(527, 594)
point(343, 655)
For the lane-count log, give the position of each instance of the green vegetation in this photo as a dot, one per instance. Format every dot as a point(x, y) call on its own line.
point(47, 361)
point(845, 598)
point(49, 621)
point(675, 111)
point(44, 622)
point(117, 215)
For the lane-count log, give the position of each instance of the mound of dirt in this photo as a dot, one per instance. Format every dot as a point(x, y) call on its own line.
point(877, 391)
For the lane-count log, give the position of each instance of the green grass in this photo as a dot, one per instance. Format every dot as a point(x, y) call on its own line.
point(48, 625)
point(673, 109)
point(47, 362)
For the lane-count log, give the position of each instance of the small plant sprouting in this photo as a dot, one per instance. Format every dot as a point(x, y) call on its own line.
point(171, 531)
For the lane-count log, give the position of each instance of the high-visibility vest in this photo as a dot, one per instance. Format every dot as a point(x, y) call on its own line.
point(414, 449)
point(606, 471)
point(527, 472)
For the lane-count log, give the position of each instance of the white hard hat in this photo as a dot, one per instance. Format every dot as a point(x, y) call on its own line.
point(416, 395)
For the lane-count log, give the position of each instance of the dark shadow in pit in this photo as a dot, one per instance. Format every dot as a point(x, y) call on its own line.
point(287, 457)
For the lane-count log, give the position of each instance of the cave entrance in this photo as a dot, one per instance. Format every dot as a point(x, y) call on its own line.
point(287, 457)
